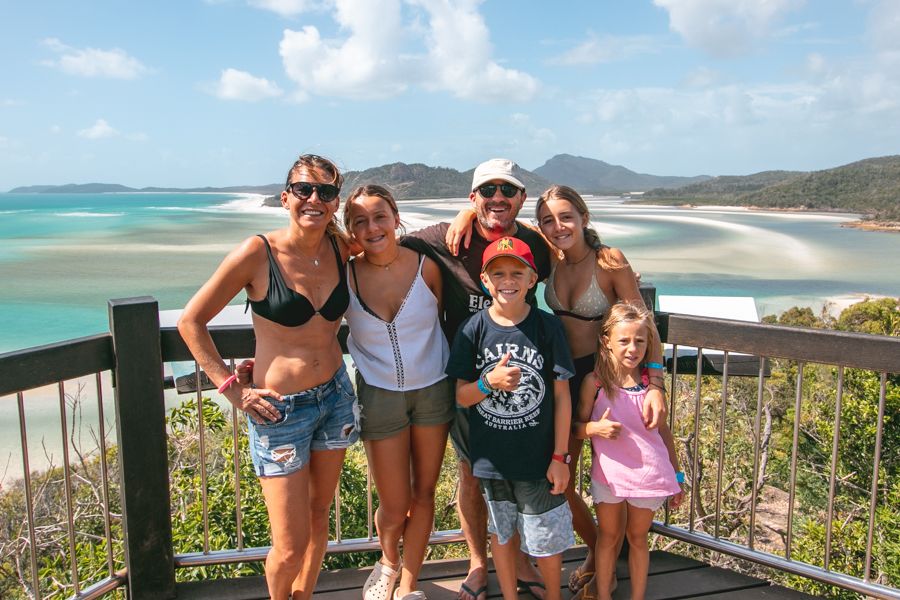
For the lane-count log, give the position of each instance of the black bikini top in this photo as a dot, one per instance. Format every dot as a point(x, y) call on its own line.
point(287, 307)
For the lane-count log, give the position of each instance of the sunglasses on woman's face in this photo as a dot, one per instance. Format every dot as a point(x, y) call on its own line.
point(489, 189)
point(304, 190)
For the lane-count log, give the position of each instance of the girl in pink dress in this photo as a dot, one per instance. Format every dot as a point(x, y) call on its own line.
point(634, 470)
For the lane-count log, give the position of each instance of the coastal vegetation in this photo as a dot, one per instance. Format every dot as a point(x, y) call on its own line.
point(849, 520)
point(870, 187)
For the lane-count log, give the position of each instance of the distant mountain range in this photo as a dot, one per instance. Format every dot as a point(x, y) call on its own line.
point(870, 186)
point(422, 181)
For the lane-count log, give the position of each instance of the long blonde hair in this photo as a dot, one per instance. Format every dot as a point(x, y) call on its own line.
point(563, 192)
point(606, 369)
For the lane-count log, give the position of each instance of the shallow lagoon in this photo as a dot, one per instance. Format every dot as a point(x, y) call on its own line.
point(62, 256)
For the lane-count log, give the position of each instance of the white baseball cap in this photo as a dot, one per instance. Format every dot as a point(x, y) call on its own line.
point(495, 168)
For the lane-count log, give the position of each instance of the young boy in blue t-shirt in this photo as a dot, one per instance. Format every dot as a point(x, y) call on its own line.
point(512, 363)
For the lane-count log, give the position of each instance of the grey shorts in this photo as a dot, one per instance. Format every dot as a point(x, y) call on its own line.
point(325, 417)
point(388, 412)
point(600, 492)
point(543, 520)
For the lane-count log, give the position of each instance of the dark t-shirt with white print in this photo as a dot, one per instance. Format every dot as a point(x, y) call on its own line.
point(511, 434)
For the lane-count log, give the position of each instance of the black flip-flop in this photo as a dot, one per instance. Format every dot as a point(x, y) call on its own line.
point(473, 593)
point(528, 588)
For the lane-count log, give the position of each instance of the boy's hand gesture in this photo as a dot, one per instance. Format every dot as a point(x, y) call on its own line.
point(604, 427)
point(504, 377)
point(558, 476)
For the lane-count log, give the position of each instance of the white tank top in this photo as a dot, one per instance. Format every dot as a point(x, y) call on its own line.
point(407, 353)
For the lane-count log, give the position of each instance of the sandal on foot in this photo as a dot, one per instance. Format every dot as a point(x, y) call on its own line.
point(578, 578)
point(381, 582)
point(529, 587)
point(587, 592)
point(475, 594)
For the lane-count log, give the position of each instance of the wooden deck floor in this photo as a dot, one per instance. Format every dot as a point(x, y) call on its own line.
point(671, 577)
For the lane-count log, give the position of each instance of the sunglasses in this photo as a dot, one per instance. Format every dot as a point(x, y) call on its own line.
point(489, 189)
point(304, 190)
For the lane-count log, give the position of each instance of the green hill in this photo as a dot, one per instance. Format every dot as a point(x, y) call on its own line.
point(870, 187)
point(589, 175)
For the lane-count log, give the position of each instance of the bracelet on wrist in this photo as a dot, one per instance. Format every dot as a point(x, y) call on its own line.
point(679, 476)
point(484, 380)
point(653, 365)
point(482, 387)
point(227, 383)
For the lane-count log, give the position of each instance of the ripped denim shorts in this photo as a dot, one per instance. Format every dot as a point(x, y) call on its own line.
point(325, 417)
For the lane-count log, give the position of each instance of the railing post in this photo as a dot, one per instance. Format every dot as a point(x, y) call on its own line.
point(143, 461)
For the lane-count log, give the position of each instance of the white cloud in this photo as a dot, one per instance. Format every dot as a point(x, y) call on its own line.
point(450, 52)
point(884, 25)
point(240, 85)
point(459, 55)
point(725, 27)
point(100, 129)
point(603, 49)
point(365, 64)
point(285, 8)
point(92, 62)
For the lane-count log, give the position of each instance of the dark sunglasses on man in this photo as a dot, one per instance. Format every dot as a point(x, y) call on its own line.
point(304, 190)
point(489, 189)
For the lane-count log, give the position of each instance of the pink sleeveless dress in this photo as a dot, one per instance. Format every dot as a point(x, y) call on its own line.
point(636, 464)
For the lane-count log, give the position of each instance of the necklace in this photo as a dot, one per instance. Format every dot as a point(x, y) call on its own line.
point(314, 259)
point(386, 266)
point(580, 260)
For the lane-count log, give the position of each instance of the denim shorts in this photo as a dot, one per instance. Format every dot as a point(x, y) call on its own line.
point(542, 520)
point(325, 417)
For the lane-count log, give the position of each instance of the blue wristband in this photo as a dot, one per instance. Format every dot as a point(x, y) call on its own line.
point(679, 476)
point(483, 388)
point(650, 365)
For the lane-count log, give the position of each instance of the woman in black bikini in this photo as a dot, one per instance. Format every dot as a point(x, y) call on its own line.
point(301, 408)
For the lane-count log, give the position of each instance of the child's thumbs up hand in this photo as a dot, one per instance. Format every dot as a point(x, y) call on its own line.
point(503, 377)
point(604, 427)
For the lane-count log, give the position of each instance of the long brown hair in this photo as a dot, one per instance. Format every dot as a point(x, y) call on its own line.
point(320, 163)
point(563, 192)
point(371, 189)
point(606, 369)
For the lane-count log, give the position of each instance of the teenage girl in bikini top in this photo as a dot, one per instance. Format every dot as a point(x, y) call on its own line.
point(584, 282)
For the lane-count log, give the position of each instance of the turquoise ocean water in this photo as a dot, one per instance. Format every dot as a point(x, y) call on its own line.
point(62, 256)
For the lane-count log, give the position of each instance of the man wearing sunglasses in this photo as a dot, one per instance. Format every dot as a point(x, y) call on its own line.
point(497, 196)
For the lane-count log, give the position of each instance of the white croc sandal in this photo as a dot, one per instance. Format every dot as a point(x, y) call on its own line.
point(381, 582)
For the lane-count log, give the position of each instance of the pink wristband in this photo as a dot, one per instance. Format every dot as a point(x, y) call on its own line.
point(227, 383)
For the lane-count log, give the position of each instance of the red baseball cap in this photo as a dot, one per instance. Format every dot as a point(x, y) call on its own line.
point(508, 246)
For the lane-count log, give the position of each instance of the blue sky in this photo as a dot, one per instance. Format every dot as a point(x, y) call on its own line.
point(228, 92)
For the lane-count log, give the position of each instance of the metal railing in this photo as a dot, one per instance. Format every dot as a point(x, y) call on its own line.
point(827, 354)
point(134, 353)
